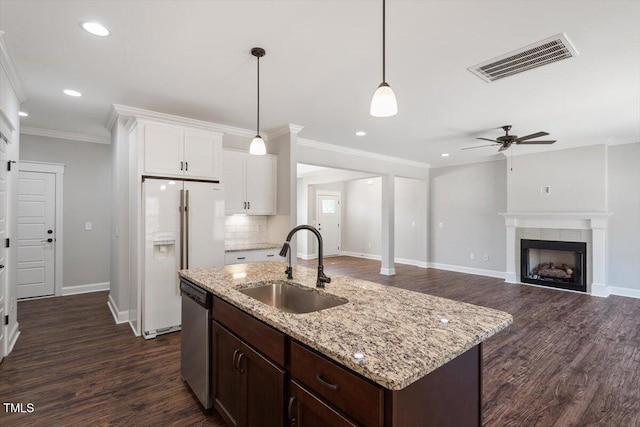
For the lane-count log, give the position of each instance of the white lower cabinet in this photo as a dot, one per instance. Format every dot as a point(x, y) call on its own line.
point(258, 255)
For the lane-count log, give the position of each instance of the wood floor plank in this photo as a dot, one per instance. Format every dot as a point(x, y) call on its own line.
point(568, 359)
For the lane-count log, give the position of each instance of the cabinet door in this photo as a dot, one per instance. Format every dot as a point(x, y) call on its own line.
point(306, 410)
point(234, 180)
point(226, 350)
point(163, 150)
point(263, 390)
point(261, 185)
point(202, 155)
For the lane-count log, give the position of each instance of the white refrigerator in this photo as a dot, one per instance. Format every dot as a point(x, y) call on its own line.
point(183, 228)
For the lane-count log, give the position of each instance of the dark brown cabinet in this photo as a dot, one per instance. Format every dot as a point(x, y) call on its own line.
point(306, 410)
point(248, 389)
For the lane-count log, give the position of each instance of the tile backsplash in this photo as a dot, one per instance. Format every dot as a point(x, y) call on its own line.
point(245, 229)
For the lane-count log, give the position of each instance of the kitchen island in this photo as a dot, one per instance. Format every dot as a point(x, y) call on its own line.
point(387, 356)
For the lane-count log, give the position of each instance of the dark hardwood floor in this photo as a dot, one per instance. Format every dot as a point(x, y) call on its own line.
point(568, 359)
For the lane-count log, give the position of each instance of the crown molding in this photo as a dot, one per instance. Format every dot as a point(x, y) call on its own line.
point(344, 150)
point(139, 113)
point(469, 162)
point(6, 60)
point(283, 130)
point(71, 136)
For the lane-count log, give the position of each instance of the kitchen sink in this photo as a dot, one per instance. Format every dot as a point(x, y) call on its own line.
point(292, 298)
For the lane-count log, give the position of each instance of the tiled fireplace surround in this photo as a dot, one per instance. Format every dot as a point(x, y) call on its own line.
point(566, 227)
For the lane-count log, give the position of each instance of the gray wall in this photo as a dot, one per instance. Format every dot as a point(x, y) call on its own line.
point(86, 198)
point(577, 178)
point(624, 225)
point(467, 200)
point(362, 216)
point(411, 219)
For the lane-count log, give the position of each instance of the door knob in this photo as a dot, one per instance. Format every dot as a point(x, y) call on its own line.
point(49, 240)
point(49, 231)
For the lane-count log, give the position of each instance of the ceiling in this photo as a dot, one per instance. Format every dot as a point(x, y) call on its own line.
point(323, 64)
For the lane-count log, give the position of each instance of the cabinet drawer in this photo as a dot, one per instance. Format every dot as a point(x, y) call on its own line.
point(351, 394)
point(242, 257)
point(261, 336)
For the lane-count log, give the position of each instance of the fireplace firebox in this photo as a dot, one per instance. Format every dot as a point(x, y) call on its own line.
point(555, 264)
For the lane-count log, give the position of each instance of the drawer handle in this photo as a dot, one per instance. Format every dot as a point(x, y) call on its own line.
point(292, 419)
point(240, 363)
point(235, 354)
point(241, 257)
point(270, 255)
point(325, 383)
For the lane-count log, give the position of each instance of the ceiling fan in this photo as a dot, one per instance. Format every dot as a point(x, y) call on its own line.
point(505, 141)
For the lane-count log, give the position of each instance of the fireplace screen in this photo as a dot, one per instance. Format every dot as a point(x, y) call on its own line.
point(555, 264)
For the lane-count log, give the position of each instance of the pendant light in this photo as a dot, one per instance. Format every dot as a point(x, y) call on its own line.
point(257, 146)
point(384, 102)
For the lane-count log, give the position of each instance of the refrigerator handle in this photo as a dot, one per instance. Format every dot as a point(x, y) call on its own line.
point(181, 229)
point(186, 214)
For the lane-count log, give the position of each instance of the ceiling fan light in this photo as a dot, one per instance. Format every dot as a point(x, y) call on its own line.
point(383, 103)
point(257, 147)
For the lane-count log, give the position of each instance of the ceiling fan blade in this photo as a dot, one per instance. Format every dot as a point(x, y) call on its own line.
point(490, 140)
point(480, 146)
point(535, 142)
point(533, 135)
point(504, 147)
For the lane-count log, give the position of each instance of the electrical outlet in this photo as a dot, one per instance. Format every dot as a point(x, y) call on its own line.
point(472, 256)
point(413, 223)
point(545, 190)
point(88, 226)
point(369, 245)
point(440, 224)
point(486, 257)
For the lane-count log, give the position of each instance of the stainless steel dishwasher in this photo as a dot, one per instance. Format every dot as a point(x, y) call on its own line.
point(195, 351)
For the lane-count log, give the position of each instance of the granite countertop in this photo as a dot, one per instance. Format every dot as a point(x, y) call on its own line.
point(251, 247)
point(400, 332)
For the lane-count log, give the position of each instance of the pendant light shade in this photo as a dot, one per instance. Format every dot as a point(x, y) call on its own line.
point(383, 103)
point(257, 146)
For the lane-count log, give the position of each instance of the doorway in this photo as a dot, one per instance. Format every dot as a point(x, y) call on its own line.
point(328, 218)
point(38, 266)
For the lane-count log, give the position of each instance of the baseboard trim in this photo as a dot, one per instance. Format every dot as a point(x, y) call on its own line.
point(468, 270)
point(359, 255)
point(599, 290)
point(136, 333)
point(118, 316)
point(388, 271)
point(307, 256)
point(83, 289)
point(415, 263)
point(13, 338)
point(623, 292)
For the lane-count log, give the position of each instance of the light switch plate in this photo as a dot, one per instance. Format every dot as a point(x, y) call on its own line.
point(545, 190)
point(88, 226)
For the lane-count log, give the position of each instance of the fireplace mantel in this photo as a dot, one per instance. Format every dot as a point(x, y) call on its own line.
point(594, 221)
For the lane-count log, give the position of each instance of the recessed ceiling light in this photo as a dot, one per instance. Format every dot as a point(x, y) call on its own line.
point(71, 92)
point(445, 154)
point(95, 28)
point(23, 114)
point(361, 133)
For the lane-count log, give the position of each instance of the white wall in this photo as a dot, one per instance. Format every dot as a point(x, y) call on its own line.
point(577, 178)
point(466, 200)
point(86, 198)
point(623, 268)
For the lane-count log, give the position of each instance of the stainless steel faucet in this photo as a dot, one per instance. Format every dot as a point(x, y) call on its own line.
point(286, 249)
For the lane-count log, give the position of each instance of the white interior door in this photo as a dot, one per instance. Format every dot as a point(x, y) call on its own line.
point(3, 251)
point(36, 235)
point(328, 221)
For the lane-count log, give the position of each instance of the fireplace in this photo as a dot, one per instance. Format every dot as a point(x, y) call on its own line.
point(553, 263)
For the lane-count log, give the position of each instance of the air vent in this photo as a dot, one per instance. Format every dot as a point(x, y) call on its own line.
point(535, 55)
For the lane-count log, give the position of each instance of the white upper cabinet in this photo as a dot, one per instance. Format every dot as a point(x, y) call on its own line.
point(250, 183)
point(179, 151)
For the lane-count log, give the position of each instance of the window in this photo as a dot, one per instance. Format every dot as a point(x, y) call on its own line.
point(328, 206)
